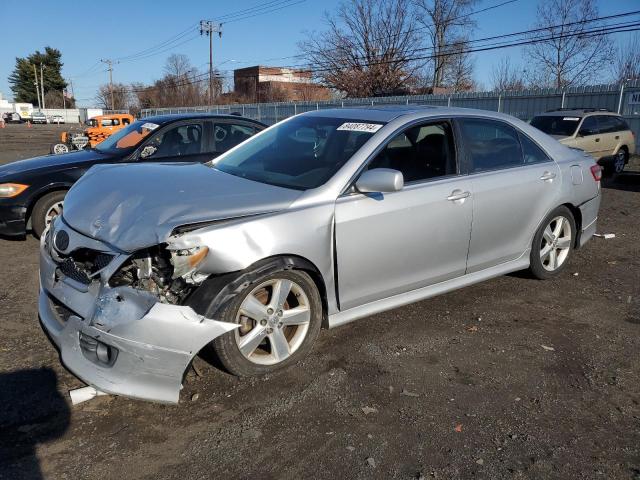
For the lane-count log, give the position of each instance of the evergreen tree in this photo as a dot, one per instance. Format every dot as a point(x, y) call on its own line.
point(22, 79)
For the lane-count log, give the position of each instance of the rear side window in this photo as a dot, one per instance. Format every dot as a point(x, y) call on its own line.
point(531, 152)
point(589, 127)
point(610, 124)
point(228, 135)
point(490, 145)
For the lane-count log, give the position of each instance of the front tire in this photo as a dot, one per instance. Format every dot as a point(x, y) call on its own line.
point(279, 314)
point(45, 210)
point(59, 148)
point(553, 244)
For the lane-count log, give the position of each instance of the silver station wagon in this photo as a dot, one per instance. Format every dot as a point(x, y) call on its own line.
point(322, 219)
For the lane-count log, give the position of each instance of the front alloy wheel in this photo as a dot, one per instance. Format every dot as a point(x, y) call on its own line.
point(279, 317)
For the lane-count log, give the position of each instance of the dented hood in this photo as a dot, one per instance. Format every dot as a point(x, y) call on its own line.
point(135, 206)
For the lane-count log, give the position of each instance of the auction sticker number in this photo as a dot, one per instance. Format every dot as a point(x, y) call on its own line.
point(360, 127)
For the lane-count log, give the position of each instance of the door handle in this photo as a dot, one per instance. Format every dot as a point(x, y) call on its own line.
point(548, 176)
point(617, 137)
point(458, 195)
point(597, 139)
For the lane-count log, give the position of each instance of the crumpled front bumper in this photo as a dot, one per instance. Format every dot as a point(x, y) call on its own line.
point(145, 345)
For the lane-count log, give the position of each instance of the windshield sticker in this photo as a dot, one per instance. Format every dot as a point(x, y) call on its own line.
point(572, 119)
point(360, 127)
point(150, 126)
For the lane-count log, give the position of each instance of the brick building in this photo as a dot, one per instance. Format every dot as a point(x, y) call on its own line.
point(275, 84)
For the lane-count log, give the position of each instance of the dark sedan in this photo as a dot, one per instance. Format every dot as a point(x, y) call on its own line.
point(32, 191)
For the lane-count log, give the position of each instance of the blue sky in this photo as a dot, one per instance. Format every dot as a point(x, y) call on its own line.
point(86, 32)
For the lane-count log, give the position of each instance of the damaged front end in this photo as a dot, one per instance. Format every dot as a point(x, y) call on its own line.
point(119, 319)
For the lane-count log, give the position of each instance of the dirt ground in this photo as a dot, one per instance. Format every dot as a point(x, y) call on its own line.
point(509, 379)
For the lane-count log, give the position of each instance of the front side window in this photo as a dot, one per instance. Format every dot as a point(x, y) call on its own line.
point(490, 145)
point(301, 153)
point(589, 127)
point(420, 153)
point(175, 141)
point(228, 135)
point(563, 126)
point(127, 138)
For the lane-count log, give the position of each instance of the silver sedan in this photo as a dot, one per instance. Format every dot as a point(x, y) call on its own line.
point(322, 219)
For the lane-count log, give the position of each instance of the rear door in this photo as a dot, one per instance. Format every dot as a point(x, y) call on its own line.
point(391, 243)
point(610, 134)
point(589, 137)
point(515, 185)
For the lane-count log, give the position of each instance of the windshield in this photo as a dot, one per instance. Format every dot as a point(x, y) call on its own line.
point(302, 153)
point(556, 124)
point(127, 138)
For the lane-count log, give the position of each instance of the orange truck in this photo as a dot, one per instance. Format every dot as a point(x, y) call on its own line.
point(96, 130)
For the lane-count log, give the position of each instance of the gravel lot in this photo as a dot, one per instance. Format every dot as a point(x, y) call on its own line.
point(513, 378)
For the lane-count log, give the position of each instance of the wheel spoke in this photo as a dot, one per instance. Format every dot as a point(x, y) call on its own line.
point(548, 234)
point(553, 259)
point(252, 308)
point(563, 242)
point(559, 225)
point(251, 340)
point(279, 344)
point(280, 293)
point(296, 316)
point(544, 253)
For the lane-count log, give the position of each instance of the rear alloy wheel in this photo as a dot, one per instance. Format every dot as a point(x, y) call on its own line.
point(59, 148)
point(620, 161)
point(46, 210)
point(279, 317)
point(553, 244)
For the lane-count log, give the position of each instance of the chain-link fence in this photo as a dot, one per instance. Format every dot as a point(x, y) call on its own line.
point(624, 99)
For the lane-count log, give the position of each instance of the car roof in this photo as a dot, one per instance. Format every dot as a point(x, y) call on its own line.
point(575, 112)
point(387, 113)
point(173, 117)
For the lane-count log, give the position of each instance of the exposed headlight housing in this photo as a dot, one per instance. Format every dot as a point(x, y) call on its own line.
point(9, 190)
point(186, 260)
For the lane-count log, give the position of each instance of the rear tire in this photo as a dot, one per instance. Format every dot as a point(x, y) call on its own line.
point(553, 244)
point(59, 148)
point(45, 210)
point(273, 334)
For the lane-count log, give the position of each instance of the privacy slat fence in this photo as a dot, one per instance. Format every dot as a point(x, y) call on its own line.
point(524, 105)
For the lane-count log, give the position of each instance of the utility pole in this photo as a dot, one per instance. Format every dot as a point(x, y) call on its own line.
point(207, 27)
point(35, 74)
point(110, 68)
point(42, 85)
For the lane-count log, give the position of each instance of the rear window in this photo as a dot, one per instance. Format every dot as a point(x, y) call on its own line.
point(556, 124)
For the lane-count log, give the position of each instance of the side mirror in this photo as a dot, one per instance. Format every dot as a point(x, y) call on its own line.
point(380, 180)
point(148, 151)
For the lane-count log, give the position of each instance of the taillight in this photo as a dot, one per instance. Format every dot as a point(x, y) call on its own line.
point(596, 171)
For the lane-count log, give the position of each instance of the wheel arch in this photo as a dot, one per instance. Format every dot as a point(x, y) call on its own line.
point(577, 218)
point(216, 291)
point(58, 187)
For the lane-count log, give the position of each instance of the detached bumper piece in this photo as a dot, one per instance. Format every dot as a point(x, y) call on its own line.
point(119, 340)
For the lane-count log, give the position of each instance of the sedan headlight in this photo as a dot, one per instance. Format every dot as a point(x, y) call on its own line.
point(186, 260)
point(8, 190)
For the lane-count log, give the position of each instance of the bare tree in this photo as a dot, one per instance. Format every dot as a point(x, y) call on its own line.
point(571, 54)
point(448, 24)
point(367, 49)
point(122, 98)
point(458, 73)
point(177, 65)
point(505, 77)
point(626, 64)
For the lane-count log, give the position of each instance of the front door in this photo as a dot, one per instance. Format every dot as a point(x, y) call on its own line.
point(515, 185)
point(391, 243)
